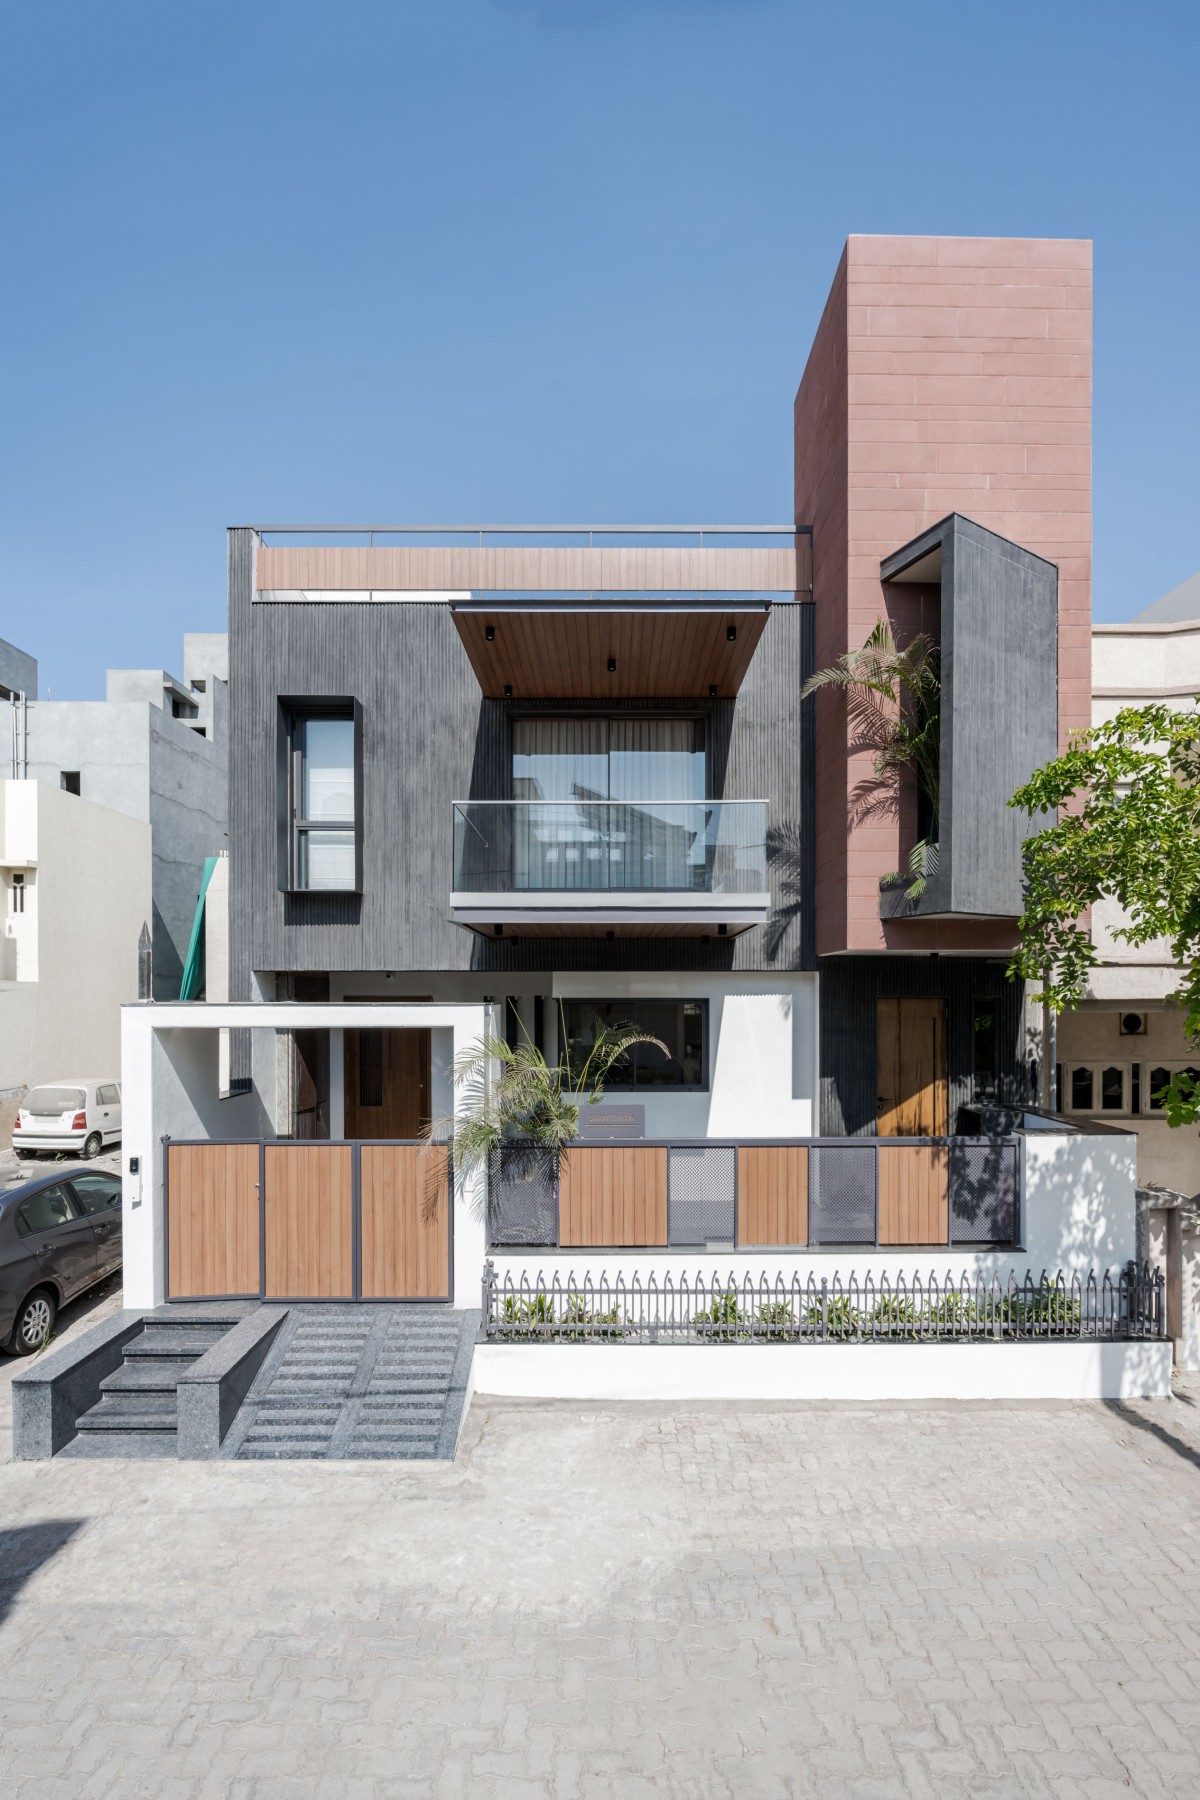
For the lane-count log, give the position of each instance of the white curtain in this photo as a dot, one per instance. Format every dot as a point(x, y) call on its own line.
point(575, 840)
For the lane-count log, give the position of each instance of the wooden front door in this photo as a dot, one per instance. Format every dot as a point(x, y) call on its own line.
point(387, 1083)
point(912, 1091)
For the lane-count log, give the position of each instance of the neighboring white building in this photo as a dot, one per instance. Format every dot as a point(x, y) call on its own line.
point(155, 749)
point(1127, 1037)
point(75, 894)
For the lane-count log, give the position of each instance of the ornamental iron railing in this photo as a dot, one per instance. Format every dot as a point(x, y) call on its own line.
point(779, 1309)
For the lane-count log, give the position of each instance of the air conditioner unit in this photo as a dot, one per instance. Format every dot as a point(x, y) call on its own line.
point(1133, 1024)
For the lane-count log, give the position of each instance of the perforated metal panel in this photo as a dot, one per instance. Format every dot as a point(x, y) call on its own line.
point(984, 1193)
point(523, 1196)
point(841, 1196)
point(701, 1194)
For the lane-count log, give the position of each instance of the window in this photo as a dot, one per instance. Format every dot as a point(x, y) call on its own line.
point(18, 893)
point(613, 803)
point(1112, 1090)
point(322, 782)
point(96, 1193)
point(1160, 1078)
point(682, 1025)
point(52, 1102)
point(44, 1211)
point(370, 1068)
point(69, 781)
point(107, 1095)
point(984, 1032)
point(1127, 1088)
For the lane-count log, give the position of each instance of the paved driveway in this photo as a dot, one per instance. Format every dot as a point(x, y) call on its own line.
point(622, 1601)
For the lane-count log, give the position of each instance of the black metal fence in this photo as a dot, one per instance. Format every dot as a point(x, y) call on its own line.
point(777, 1309)
point(983, 1178)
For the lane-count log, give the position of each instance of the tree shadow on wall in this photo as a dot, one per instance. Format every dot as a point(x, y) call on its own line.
point(787, 934)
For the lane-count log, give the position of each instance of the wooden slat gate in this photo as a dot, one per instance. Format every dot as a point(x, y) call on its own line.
point(308, 1221)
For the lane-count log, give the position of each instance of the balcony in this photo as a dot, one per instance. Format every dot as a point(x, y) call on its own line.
point(609, 868)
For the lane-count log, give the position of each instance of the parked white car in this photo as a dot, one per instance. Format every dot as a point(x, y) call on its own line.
point(80, 1115)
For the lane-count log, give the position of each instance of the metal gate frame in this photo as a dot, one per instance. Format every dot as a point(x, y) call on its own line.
point(355, 1146)
point(809, 1143)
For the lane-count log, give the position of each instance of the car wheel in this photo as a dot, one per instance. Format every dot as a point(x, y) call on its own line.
point(93, 1145)
point(34, 1323)
point(24, 1155)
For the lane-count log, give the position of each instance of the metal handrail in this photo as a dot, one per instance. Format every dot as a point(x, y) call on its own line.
point(635, 804)
point(700, 531)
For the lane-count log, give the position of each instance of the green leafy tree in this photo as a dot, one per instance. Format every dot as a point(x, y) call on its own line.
point(1133, 836)
point(510, 1093)
point(894, 707)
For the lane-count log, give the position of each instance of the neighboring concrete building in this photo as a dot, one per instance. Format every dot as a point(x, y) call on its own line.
point(156, 749)
point(1127, 1038)
point(75, 886)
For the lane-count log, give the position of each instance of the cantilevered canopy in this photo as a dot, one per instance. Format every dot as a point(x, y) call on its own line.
point(556, 648)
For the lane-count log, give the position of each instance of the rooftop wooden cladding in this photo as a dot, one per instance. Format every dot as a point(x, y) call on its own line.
point(779, 569)
point(546, 655)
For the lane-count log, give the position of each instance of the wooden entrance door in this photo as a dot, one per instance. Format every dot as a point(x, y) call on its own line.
point(387, 1083)
point(912, 1091)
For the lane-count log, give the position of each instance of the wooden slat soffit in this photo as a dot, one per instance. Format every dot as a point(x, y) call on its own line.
point(543, 654)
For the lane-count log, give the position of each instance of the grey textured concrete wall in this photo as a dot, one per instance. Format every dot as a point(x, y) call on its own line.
point(135, 758)
point(18, 670)
point(430, 738)
point(999, 709)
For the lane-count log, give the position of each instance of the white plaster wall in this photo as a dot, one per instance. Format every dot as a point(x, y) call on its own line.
point(762, 1041)
point(1137, 658)
point(824, 1371)
point(170, 1070)
point(1079, 1215)
point(92, 899)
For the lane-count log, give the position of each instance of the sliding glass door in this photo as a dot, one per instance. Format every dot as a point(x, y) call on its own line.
point(609, 804)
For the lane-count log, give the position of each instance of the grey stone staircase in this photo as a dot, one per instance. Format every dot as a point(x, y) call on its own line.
point(135, 1415)
point(355, 1382)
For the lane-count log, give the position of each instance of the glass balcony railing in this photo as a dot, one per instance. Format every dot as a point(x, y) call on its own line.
point(699, 847)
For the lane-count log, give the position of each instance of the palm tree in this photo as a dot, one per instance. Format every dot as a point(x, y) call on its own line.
point(510, 1093)
point(894, 708)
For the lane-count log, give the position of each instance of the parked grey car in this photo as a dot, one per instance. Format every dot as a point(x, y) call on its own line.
point(59, 1235)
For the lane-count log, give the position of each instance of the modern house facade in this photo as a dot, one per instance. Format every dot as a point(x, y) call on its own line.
point(525, 779)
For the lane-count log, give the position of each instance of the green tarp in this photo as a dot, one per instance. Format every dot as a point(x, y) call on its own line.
point(192, 985)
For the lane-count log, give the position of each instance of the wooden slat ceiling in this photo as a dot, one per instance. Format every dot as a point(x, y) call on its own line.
point(546, 655)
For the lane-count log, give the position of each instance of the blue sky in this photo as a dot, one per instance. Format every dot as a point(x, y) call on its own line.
point(549, 260)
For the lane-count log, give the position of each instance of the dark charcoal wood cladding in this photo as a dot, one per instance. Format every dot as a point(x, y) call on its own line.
point(850, 987)
point(429, 738)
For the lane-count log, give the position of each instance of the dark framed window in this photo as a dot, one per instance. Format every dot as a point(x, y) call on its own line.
point(682, 1025)
point(984, 1066)
point(320, 783)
